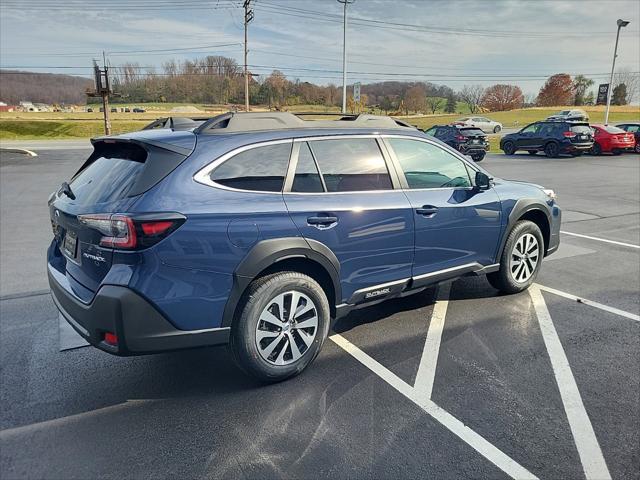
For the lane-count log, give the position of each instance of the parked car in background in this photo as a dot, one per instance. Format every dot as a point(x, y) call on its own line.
point(250, 230)
point(634, 128)
point(127, 110)
point(610, 139)
point(483, 123)
point(551, 137)
point(138, 110)
point(89, 110)
point(574, 115)
point(467, 140)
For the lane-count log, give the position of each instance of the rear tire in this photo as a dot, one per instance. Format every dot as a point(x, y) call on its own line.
point(596, 149)
point(259, 325)
point(478, 157)
point(551, 150)
point(520, 260)
point(508, 147)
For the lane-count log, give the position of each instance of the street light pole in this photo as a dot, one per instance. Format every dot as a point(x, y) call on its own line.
point(344, 55)
point(621, 23)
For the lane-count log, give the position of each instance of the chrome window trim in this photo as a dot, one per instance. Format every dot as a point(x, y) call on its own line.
point(383, 152)
point(203, 175)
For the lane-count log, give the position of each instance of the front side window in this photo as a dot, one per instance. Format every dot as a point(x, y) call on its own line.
point(351, 164)
point(429, 166)
point(261, 169)
point(533, 128)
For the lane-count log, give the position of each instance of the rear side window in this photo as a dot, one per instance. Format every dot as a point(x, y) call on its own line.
point(260, 169)
point(632, 128)
point(351, 165)
point(110, 174)
point(442, 132)
point(307, 178)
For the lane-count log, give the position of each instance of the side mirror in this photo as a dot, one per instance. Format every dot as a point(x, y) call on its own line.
point(483, 181)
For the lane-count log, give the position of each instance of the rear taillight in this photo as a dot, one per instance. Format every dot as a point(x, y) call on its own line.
point(131, 232)
point(569, 134)
point(460, 137)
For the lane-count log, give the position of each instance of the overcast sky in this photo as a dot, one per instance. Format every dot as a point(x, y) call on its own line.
point(453, 42)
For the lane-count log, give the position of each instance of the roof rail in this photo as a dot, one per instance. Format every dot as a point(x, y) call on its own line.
point(237, 122)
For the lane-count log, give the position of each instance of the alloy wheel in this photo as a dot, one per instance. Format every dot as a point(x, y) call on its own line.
point(286, 328)
point(524, 258)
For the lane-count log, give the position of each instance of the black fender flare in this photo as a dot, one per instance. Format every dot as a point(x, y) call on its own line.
point(268, 252)
point(521, 207)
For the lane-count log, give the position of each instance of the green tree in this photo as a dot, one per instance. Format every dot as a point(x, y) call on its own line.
point(619, 95)
point(580, 85)
point(451, 104)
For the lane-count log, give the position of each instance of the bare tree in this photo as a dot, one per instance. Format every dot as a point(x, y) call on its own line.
point(472, 96)
point(631, 80)
point(414, 99)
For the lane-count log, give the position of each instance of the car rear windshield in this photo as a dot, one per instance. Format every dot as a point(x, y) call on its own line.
point(109, 174)
point(611, 129)
point(580, 129)
point(471, 132)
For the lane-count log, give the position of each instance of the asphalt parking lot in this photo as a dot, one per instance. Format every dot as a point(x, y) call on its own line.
point(455, 382)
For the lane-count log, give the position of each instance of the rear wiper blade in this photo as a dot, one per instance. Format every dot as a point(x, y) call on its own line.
point(66, 189)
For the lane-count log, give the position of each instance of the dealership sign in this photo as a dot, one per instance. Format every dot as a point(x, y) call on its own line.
point(603, 91)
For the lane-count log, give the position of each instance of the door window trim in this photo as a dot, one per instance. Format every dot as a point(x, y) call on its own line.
point(293, 163)
point(403, 179)
point(203, 175)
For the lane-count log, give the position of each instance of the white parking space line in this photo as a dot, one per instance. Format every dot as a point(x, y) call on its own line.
point(591, 303)
point(482, 446)
point(584, 437)
point(427, 369)
point(598, 239)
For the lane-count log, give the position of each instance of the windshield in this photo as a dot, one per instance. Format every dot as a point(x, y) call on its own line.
point(468, 132)
point(580, 129)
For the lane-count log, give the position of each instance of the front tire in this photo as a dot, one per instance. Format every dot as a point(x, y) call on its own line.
point(596, 149)
point(496, 129)
point(521, 258)
point(281, 326)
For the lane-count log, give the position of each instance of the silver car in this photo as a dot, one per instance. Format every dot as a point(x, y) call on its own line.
point(575, 115)
point(483, 123)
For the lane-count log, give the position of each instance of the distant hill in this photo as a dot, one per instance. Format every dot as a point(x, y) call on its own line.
point(16, 86)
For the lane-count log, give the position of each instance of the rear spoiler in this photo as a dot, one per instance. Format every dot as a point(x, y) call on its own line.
point(176, 123)
point(142, 142)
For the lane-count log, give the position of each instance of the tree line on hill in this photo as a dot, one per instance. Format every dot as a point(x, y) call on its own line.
point(50, 88)
point(219, 80)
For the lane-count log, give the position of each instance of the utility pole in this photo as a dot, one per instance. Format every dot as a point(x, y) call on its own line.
point(621, 23)
point(248, 16)
point(103, 89)
point(344, 55)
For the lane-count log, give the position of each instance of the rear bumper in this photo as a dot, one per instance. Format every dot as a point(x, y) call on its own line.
point(577, 147)
point(140, 328)
point(470, 149)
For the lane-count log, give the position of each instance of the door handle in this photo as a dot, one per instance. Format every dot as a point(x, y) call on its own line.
point(427, 210)
point(322, 222)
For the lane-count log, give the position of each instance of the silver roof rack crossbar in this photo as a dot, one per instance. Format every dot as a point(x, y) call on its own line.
point(236, 122)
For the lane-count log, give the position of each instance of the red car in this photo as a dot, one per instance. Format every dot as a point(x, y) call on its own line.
point(609, 139)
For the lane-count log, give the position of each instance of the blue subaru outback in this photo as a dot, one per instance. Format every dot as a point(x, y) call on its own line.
point(257, 229)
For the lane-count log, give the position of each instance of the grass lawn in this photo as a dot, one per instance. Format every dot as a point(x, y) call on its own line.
point(61, 125)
